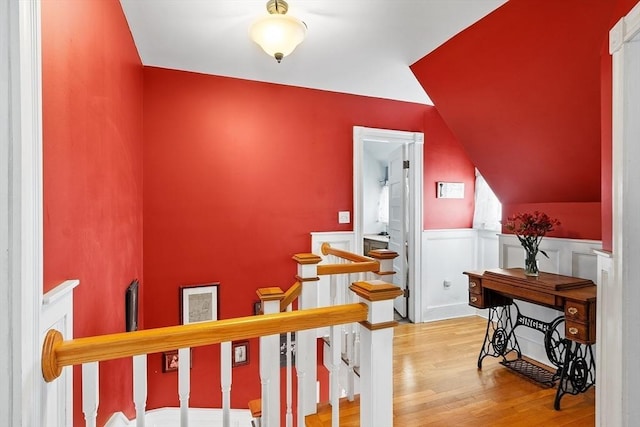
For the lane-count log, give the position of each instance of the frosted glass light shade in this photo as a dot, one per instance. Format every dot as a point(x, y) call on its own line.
point(278, 35)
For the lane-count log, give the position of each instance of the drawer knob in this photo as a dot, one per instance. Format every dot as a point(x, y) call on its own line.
point(474, 299)
point(473, 284)
point(572, 311)
point(573, 331)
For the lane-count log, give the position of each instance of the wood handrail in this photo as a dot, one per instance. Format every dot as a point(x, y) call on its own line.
point(328, 250)
point(354, 267)
point(290, 295)
point(57, 353)
point(358, 264)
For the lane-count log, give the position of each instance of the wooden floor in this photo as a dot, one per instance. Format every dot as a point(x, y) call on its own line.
point(436, 383)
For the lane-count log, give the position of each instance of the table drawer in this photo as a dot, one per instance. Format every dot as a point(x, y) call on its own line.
point(576, 310)
point(476, 300)
point(475, 286)
point(579, 332)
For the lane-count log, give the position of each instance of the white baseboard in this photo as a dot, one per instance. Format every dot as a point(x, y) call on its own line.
point(448, 311)
point(170, 417)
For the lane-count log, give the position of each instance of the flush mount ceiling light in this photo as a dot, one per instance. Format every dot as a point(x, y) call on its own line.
point(278, 34)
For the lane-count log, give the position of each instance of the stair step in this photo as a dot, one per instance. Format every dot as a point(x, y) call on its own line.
point(255, 406)
point(322, 418)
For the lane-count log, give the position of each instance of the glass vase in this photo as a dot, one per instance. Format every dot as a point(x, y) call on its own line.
point(531, 263)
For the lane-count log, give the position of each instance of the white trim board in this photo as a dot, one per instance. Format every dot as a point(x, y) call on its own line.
point(618, 308)
point(21, 212)
point(57, 313)
point(415, 144)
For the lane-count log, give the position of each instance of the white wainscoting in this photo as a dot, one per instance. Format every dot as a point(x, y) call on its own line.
point(608, 391)
point(446, 255)
point(487, 249)
point(57, 396)
point(569, 257)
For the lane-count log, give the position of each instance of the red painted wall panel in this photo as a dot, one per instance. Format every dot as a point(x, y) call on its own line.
point(237, 174)
point(578, 220)
point(92, 129)
point(445, 160)
point(520, 89)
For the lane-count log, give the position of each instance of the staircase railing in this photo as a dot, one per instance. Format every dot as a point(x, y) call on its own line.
point(344, 269)
point(369, 321)
point(58, 353)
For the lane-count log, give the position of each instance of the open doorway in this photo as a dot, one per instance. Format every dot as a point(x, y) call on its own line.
point(400, 155)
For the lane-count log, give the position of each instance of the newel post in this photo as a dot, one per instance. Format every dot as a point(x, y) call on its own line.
point(385, 258)
point(376, 355)
point(306, 357)
point(270, 361)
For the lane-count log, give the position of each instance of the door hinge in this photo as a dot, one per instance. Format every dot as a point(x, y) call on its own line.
point(406, 293)
point(405, 164)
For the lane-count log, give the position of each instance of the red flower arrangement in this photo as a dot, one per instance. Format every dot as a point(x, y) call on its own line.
point(530, 229)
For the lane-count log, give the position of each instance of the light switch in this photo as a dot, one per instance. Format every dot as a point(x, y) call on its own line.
point(344, 217)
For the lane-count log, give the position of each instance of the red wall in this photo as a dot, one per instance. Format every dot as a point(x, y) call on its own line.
point(237, 174)
point(445, 160)
point(92, 126)
point(520, 89)
point(578, 220)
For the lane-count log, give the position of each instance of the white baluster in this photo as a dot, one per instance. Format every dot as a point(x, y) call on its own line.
point(225, 382)
point(356, 347)
point(289, 413)
point(270, 362)
point(301, 390)
point(90, 393)
point(343, 288)
point(306, 355)
point(333, 290)
point(350, 372)
point(376, 363)
point(140, 388)
point(334, 376)
point(184, 384)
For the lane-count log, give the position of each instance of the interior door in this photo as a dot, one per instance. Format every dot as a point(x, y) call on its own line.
point(398, 196)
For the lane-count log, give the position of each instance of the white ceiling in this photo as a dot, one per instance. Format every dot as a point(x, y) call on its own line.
point(363, 47)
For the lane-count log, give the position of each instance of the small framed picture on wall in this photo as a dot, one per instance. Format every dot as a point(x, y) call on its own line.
point(240, 353)
point(199, 303)
point(170, 360)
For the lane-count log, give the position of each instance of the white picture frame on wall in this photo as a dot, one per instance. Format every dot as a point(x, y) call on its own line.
point(199, 303)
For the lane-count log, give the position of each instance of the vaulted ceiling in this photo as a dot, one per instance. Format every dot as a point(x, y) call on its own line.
point(363, 47)
point(520, 88)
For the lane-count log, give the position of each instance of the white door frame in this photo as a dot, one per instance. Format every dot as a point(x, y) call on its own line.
point(415, 143)
point(20, 212)
point(618, 316)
